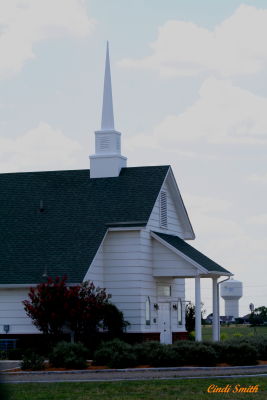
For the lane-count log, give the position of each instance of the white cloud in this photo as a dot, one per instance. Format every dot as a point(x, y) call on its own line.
point(235, 47)
point(223, 113)
point(41, 148)
point(258, 178)
point(258, 219)
point(26, 22)
point(223, 239)
point(207, 204)
point(227, 242)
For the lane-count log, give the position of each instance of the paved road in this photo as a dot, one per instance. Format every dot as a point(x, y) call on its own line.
point(132, 374)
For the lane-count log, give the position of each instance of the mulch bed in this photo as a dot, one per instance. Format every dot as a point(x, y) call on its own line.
point(91, 367)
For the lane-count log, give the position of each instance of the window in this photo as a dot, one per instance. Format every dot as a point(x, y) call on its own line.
point(163, 210)
point(148, 316)
point(164, 290)
point(179, 312)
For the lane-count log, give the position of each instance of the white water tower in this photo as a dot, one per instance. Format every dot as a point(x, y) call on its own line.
point(231, 292)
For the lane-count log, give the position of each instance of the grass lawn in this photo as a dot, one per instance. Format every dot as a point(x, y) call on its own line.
point(228, 332)
point(195, 389)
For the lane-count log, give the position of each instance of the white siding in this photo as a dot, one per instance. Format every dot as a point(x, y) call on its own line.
point(124, 265)
point(177, 288)
point(174, 225)
point(151, 288)
point(177, 292)
point(167, 263)
point(128, 277)
point(95, 272)
point(12, 311)
point(119, 267)
point(124, 273)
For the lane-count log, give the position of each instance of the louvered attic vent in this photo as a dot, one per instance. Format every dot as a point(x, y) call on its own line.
point(104, 143)
point(163, 210)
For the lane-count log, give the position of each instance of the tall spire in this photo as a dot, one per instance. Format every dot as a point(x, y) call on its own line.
point(107, 161)
point(107, 122)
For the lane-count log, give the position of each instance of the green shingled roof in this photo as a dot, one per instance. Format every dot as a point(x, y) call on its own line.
point(192, 253)
point(64, 238)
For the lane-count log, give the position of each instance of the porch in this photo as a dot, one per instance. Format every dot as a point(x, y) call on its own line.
point(174, 258)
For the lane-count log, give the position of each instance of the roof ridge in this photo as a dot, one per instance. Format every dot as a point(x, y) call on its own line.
point(79, 169)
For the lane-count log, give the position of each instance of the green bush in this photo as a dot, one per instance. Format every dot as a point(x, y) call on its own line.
point(124, 359)
point(102, 355)
point(155, 354)
point(241, 354)
point(32, 360)
point(165, 357)
point(219, 348)
point(236, 352)
point(194, 353)
point(69, 355)
point(15, 354)
point(4, 395)
point(239, 351)
point(261, 346)
point(147, 352)
point(259, 342)
point(191, 336)
point(115, 354)
point(181, 353)
point(203, 355)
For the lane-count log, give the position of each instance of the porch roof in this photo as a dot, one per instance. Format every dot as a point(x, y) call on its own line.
point(192, 253)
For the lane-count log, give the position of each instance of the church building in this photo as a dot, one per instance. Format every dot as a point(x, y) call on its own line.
point(124, 228)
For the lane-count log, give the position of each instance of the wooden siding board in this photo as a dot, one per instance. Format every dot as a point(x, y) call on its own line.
point(167, 262)
point(12, 311)
point(123, 279)
point(95, 272)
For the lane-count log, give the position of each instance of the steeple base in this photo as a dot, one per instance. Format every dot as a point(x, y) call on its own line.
point(106, 165)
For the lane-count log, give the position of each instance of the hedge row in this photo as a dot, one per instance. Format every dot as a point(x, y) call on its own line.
point(63, 355)
point(118, 354)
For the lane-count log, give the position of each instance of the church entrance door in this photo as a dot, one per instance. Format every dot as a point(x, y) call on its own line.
point(165, 323)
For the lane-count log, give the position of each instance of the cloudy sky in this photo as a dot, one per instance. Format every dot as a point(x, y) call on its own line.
point(190, 90)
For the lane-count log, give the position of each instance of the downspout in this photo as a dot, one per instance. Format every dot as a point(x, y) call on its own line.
point(218, 306)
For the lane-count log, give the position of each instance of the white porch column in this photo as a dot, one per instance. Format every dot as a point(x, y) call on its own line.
point(215, 310)
point(198, 332)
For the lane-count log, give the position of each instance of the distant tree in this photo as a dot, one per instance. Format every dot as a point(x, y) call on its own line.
point(239, 321)
point(190, 317)
point(83, 309)
point(190, 310)
point(258, 316)
point(262, 311)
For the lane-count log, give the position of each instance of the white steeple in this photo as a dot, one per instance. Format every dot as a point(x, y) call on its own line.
point(107, 122)
point(107, 160)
